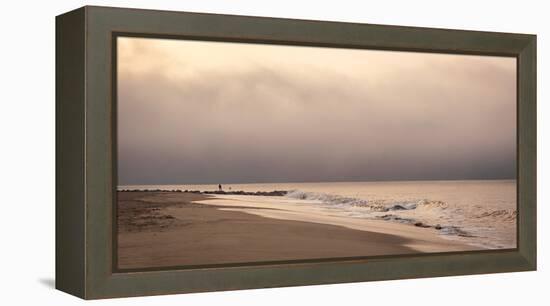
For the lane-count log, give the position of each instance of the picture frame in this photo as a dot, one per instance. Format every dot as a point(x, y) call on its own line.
point(86, 150)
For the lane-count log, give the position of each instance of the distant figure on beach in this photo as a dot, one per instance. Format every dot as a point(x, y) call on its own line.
point(220, 187)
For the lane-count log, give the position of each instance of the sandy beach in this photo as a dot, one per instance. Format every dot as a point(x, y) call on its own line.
point(163, 229)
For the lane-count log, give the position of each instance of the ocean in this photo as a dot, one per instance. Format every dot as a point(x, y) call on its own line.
point(481, 213)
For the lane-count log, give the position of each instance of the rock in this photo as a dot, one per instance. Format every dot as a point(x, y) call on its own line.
point(420, 224)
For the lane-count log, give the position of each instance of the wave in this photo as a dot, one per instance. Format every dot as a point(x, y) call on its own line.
point(435, 214)
point(454, 231)
point(373, 205)
point(501, 214)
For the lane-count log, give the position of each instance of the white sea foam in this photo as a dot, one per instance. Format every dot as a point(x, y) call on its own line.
point(474, 225)
point(374, 205)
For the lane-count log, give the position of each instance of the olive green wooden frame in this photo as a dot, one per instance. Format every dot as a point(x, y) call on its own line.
point(86, 155)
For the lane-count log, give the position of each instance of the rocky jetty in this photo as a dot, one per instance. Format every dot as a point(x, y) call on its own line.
point(274, 193)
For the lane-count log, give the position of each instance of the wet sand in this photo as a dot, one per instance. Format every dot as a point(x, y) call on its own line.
point(164, 229)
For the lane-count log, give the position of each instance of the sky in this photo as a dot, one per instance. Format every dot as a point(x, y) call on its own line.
point(193, 112)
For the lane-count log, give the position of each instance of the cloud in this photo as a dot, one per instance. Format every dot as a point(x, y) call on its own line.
point(203, 112)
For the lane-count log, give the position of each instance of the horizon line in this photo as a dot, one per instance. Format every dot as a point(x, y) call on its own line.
point(316, 182)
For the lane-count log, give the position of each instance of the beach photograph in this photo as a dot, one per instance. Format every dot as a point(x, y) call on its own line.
point(238, 153)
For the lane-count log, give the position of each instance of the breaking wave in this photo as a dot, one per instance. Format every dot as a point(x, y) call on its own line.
point(426, 213)
point(373, 205)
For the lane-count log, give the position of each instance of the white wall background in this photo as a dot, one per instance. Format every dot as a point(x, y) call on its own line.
point(27, 152)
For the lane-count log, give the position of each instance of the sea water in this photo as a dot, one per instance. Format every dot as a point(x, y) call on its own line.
point(477, 212)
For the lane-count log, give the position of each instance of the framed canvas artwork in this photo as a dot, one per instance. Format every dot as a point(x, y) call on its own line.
point(201, 152)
